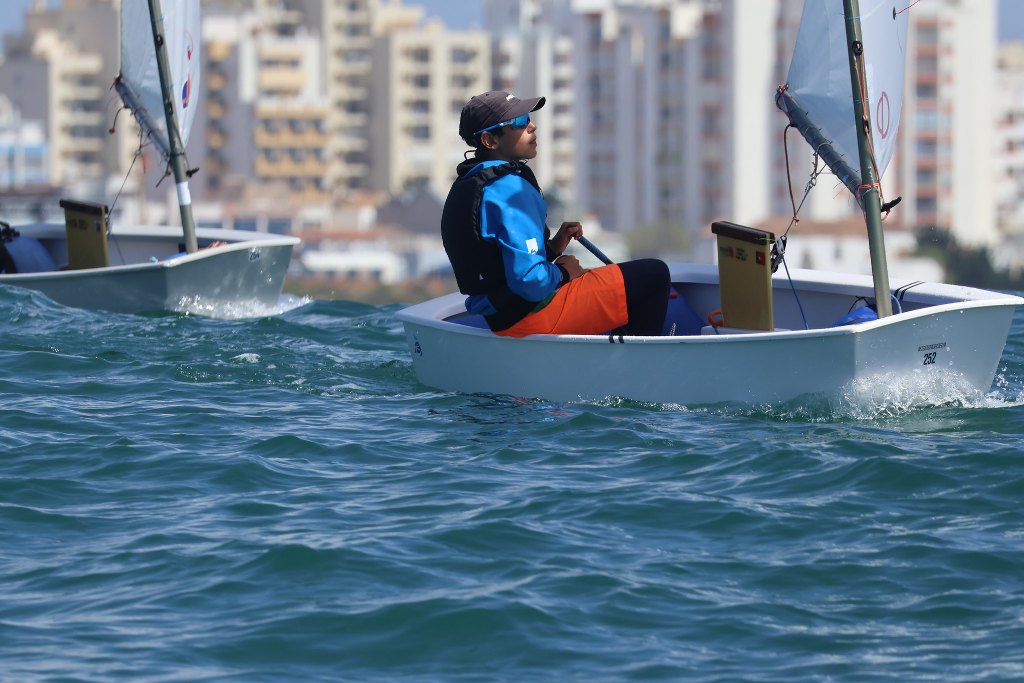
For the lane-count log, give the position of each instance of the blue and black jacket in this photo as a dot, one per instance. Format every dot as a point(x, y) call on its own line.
point(493, 229)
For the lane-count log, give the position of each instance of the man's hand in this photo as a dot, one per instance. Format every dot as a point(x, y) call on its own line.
point(567, 231)
point(571, 265)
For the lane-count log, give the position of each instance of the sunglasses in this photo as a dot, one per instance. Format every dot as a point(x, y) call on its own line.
point(518, 122)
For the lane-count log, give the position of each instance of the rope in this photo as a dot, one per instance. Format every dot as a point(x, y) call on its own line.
point(779, 250)
point(862, 87)
point(907, 7)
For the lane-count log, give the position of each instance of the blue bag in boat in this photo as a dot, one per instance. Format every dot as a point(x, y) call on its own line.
point(680, 318)
point(29, 256)
point(861, 314)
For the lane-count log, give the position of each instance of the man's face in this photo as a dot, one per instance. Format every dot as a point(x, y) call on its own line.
point(515, 143)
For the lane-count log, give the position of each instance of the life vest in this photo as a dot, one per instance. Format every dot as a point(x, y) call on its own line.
point(477, 262)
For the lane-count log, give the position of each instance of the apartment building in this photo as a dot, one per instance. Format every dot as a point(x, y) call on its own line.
point(1010, 137)
point(392, 81)
point(423, 77)
point(263, 125)
point(23, 150)
point(672, 109)
point(948, 132)
point(348, 46)
point(533, 54)
point(59, 72)
point(280, 76)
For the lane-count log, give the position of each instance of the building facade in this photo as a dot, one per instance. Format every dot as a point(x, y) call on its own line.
point(59, 72)
point(948, 132)
point(423, 75)
point(24, 151)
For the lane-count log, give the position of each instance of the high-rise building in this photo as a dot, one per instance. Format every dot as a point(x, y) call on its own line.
point(59, 71)
point(948, 132)
point(1010, 137)
point(392, 82)
point(673, 104)
point(23, 150)
point(422, 77)
point(264, 121)
point(533, 55)
point(674, 118)
point(348, 47)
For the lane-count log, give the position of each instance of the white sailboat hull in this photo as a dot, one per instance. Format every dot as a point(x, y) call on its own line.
point(956, 333)
point(148, 272)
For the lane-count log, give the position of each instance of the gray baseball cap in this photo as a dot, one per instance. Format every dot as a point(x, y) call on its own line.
point(489, 108)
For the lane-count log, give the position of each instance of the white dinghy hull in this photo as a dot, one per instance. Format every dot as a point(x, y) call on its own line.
point(148, 273)
point(947, 332)
point(87, 263)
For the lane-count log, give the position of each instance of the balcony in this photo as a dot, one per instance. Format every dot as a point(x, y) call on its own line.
point(282, 80)
point(286, 139)
point(286, 168)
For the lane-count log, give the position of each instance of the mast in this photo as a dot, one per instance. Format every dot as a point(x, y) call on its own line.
point(871, 196)
point(177, 149)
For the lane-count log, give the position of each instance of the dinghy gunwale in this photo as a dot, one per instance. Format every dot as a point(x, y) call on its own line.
point(926, 299)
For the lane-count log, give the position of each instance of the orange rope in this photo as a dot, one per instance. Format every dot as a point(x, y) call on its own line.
point(908, 7)
point(862, 86)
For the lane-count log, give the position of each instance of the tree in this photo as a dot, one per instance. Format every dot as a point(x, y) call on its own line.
point(969, 266)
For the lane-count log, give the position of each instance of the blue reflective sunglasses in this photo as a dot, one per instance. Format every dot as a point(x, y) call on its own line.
point(518, 122)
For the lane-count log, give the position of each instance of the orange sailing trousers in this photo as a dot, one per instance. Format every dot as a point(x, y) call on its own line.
point(593, 303)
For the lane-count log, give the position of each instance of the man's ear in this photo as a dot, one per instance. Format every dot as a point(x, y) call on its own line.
point(488, 140)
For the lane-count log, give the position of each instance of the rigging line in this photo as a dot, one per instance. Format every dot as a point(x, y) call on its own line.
point(907, 7)
point(113, 204)
point(127, 174)
point(811, 181)
point(795, 295)
point(789, 175)
point(862, 86)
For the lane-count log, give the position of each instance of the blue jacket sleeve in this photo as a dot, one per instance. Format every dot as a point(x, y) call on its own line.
point(513, 213)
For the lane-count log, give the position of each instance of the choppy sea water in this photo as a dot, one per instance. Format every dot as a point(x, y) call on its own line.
point(193, 499)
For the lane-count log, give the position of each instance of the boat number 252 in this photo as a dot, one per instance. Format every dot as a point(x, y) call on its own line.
point(931, 352)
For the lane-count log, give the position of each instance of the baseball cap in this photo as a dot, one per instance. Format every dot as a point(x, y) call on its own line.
point(493, 107)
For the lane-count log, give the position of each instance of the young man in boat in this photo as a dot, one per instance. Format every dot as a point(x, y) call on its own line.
point(504, 256)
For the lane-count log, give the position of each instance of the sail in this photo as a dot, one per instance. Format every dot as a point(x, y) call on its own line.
point(139, 81)
point(818, 92)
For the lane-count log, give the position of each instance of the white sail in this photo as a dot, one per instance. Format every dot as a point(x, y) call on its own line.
point(819, 75)
point(139, 82)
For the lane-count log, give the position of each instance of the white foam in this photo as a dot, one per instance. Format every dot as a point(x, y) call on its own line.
point(240, 310)
point(894, 395)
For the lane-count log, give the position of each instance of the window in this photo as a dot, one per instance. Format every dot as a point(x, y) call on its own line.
point(927, 35)
point(927, 120)
point(926, 148)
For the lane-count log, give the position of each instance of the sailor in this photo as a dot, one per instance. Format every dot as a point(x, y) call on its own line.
point(503, 254)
